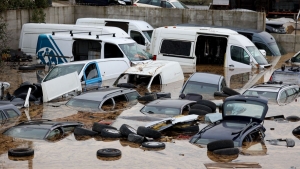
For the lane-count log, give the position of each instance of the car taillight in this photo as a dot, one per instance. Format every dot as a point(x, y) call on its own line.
point(154, 57)
point(271, 78)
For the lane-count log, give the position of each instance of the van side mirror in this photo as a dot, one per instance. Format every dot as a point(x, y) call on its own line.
point(263, 52)
point(147, 44)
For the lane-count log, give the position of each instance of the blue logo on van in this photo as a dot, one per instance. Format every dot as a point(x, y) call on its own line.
point(47, 53)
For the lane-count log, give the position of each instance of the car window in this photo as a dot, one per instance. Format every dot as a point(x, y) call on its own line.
point(242, 108)
point(54, 135)
point(68, 129)
point(160, 110)
point(112, 51)
point(148, 34)
point(223, 84)
point(291, 94)
point(175, 47)
point(91, 71)
point(283, 97)
point(263, 46)
point(296, 58)
point(2, 116)
point(63, 70)
point(238, 54)
point(155, 2)
point(138, 37)
point(11, 113)
point(132, 96)
point(108, 104)
point(120, 101)
point(200, 88)
point(166, 4)
point(94, 105)
point(86, 50)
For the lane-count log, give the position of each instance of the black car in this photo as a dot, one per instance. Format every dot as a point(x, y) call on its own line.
point(42, 129)
point(242, 121)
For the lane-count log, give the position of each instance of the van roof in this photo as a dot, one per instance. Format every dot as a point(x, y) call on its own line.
point(142, 25)
point(87, 61)
point(202, 29)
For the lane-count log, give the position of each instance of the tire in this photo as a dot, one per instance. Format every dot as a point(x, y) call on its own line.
point(227, 151)
point(163, 95)
point(296, 131)
point(109, 152)
point(146, 98)
point(229, 91)
point(27, 68)
point(202, 107)
point(98, 127)
point(125, 130)
point(293, 118)
point(193, 96)
point(152, 144)
point(126, 85)
point(79, 131)
point(24, 89)
point(189, 129)
point(39, 66)
point(220, 144)
point(20, 152)
point(198, 112)
point(135, 138)
point(208, 103)
point(147, 132)
point(220, 94)
point(39, 91)
point(110, 133)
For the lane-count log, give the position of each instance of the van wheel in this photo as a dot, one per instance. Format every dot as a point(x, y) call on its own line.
point(229, 91)
point(147, 132)
point(20, 152)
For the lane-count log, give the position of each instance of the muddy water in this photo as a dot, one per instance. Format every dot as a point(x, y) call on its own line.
point(179, 153)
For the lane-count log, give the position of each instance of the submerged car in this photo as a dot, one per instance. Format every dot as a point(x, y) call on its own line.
point(42, 129)
point(278, 92)
point(160, 4)
point(287, 74)
point(104, 99)
point(242, 121)
point(8, 111)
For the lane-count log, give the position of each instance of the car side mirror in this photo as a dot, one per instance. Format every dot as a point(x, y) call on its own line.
point(263, 52)
point(182, 95)
point(147, 45)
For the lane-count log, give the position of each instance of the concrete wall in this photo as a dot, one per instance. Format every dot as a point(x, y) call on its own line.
point(156, 17)
point(290, 42)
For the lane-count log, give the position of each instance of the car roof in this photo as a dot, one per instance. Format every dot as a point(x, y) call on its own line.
point(174, 103)
point(205, 78)
point(271, 87)
point(9, 106)
point(103, 93)
point(44, 124)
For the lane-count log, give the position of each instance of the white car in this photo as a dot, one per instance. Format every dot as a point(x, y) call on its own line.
point(160, 4)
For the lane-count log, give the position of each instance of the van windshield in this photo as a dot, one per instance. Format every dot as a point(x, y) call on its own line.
point(260, 59)
point(63, 70)
point(134, 52)
point(148, 34)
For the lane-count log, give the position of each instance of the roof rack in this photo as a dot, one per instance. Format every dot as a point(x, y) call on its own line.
point(53, 32)
point(71, 32)
point(114, 35)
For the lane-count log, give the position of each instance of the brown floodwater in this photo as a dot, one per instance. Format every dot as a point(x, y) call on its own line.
point(73, 152)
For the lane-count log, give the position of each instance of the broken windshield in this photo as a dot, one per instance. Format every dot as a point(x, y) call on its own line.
point(63, 70)
point(260, 59)
point(134, 53)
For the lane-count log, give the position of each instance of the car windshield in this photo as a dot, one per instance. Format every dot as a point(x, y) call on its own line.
point(200, 88)
point(63, 70)
point(277, 49)
point(179, 4)
point(161, 110)
point(244, 108)
point(257, 55)
point(148, 34)
point(26, 132)
point(94, 105)
point(134, 53)
point(271, 96)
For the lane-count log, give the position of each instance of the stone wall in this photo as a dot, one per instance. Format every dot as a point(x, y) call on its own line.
point(290, 42)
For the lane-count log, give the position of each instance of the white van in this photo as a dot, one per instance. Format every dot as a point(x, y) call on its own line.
point(204, 45)
point(31, 31)
point(61, 48)
point(140, 31)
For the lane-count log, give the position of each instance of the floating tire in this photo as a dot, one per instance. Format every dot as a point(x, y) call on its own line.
point(98, 127)
point(125, 130)
point(27, 68)
point(126, 85)
point(24, 89)
point(147, 132)
point(230, 91)
point(202, 107)
point(220, 94)
point(208, 103)
point(135, 138)
point(198, 112)
point(220, 144)
point(163, 95)
point(109, 152)
point(110, 133)
point(296, 131)
point(79, 131)
point(20, 152)
point(39, 66)
point(293, 118)
point(153, 144)
point(146, 98)
point(227, 151)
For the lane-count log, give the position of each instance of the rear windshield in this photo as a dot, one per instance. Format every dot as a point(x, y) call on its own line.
point(63, 70)
point(94, 105)
point(200, 88)
point(160, 110)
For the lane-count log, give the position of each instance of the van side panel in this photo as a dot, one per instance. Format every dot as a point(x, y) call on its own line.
point(112, 68)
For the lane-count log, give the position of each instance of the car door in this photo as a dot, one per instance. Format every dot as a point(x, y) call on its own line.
point(92, 74)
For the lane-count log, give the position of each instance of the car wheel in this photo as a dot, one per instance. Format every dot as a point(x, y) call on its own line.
point(98, 127)
point(229, 91)
point(109, 152)
point(153, 144)
point(125, 130)
point(208, 103)
point(227, 151)
point(219, 144)
point(220, 94)
point(20, 152)
point(111, 133)
point(202, 107)
point(79, 131)
point(126, 85)
point(135, 138)
point(198, 112)
point(147, 132)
